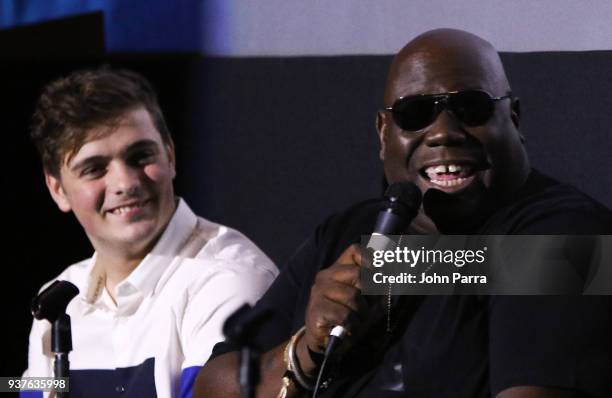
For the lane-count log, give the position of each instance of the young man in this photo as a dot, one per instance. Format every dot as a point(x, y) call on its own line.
point(155, 294)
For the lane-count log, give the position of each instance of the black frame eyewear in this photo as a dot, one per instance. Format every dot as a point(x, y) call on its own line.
point(471, 107)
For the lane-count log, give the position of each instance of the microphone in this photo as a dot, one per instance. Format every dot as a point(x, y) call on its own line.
point(401, 205)
point(402, 202)
point(52, 301)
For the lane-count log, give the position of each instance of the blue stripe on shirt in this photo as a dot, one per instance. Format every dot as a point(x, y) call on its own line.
point(30, 394)
point(188, 377)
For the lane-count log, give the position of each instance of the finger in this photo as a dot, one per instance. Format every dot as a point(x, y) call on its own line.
point(341, 273)
point(329, 314)
point(349, 296)
point(351, 255)
point(357, 255)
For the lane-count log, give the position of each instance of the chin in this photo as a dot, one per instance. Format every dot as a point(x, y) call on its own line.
point(138, 235)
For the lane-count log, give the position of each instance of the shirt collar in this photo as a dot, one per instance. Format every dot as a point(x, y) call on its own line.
point(146, 275)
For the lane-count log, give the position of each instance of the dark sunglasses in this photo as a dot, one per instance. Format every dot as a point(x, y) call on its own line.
point(472, 107)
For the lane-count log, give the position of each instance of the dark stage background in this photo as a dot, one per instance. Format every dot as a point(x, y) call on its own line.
point(269, 146)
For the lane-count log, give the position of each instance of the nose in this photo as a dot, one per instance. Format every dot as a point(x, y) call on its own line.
point(444, 131)
point(124, 179)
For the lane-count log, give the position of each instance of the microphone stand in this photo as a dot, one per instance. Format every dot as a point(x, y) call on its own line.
point(248, 376)
point(51, 304)
point(239, 329)
point(61, 345)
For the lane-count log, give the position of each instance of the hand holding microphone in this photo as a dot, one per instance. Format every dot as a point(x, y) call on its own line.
point(335, 299)
point(402, 204)
point(336, 303)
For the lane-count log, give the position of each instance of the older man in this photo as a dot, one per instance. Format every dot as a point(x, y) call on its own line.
point(449, 125)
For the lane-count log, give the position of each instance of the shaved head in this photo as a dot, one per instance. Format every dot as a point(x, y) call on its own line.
point(449, 51)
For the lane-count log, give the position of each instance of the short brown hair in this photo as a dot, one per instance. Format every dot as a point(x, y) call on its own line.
point(70, 107)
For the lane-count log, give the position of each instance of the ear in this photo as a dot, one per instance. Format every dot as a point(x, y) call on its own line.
point(382, 128)
point(515, 111)
point(171, 156)
point(57, 192)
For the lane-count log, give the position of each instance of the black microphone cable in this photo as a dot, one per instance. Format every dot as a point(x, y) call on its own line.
point(336, 336)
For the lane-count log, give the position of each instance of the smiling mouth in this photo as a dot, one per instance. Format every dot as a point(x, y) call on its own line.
point(129, 208)
point(451, 176)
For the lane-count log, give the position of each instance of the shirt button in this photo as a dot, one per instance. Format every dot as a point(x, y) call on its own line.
point(120, 389)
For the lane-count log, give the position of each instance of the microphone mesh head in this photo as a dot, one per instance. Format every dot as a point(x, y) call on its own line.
point(52, 301)
point(406, 193)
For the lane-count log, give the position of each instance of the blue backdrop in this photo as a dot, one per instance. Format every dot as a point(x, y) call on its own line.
point(130, 26)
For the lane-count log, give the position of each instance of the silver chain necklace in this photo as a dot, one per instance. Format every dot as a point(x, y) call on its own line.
point(390, 328)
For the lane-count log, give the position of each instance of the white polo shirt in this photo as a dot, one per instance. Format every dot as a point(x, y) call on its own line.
point(169, 313)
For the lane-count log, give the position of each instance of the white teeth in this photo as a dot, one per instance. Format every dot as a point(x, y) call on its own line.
point(449, 183)
point(436, 169)
point(125, 209)
point(451, 168)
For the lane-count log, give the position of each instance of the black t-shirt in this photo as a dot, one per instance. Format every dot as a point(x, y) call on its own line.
point(462, 346)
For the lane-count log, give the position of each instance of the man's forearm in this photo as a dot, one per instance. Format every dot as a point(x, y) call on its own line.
point(219, 377)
